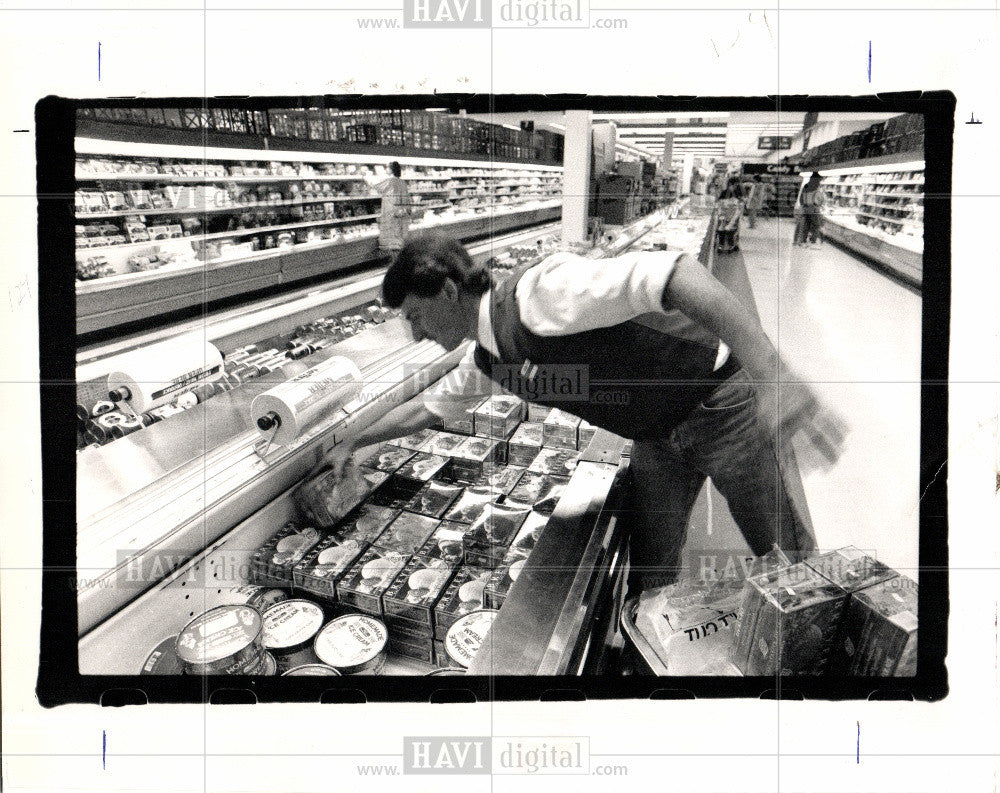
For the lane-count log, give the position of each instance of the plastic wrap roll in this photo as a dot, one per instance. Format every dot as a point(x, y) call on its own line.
point(156, 374)
point(290, 408)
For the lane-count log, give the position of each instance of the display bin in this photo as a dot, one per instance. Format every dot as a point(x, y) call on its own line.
point(639, 655)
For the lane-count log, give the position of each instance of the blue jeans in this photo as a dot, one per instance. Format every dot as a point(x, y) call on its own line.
point(721, 438)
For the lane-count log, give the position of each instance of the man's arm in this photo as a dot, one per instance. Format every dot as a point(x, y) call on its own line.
point(787, 404)
point(410, 417)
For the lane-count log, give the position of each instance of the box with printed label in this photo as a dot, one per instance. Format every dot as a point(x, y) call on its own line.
point(383, 457)
point(470, 505)
point(414, 441)
point(850, 569)
point(538, 412)
point(407, 533)
point(418, 651)
point(538, 491)
point(401, 629)
point(446, 543)
point(463, 596)
point(498, 417)
point(500, 479)
point(487, 539)
point(434, 499)
point(525, 444)
point(788, 621)
point(417, 589)
point(273, 562)
point(324, 565)
point(555, 462)
point(363, 585)
point(503, 578)
point(560, 430)
point(365, 523)
point(585, 434)
point(443, 444)
point(529, 533)
point(326, 499)
point(474, 457)
point(462, 424)
point(419, 469)
point(879, 635)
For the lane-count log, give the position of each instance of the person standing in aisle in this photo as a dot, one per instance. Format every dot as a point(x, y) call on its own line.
point(394, 220)
point(696, 380)
point(728, 232)
point(809, 219)
point(755, 200)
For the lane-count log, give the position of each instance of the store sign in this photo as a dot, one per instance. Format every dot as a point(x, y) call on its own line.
point(774, 142)
point(778, 169)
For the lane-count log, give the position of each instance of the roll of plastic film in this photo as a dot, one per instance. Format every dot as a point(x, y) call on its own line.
point(288, 409)
point(126, 427)
point(102, 407)
point(82, 413)
point(156, 374)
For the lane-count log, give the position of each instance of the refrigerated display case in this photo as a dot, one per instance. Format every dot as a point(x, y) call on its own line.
point(197, 495)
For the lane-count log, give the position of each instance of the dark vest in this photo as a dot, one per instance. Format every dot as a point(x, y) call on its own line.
point(632, 379)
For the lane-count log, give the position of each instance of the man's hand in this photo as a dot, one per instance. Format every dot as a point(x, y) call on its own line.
point(790, 407)
point(337, 458)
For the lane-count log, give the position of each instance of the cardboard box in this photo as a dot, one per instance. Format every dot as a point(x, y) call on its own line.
point(503, 578)
point(326, 499)
point(443, 444)
point(273, 562)
point(446, 543)
point(529, 533)
point(463, 424)
point(463, 595)
point(470, 505)
point(401, 629)
point(420, 468)
point(320, 569)
point(418, 651)
point(474, 457)
point(414, 441)
point(555, 462)
point(539, 492)
point(560, 430)
point(406, 533)
point(384, 457)
point(537, 412)
point(788, 621)
point(363, 585)
point(850, 569)
point(488, 537)
point(417, 589)
point(498, 417)
point(499, 479)
point(434, 499)
point(585, 434)
point(879, 635)
point(525, 444)
point(365, 523)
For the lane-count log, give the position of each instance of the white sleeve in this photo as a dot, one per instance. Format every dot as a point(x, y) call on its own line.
point(464, 387)
point(567, 293)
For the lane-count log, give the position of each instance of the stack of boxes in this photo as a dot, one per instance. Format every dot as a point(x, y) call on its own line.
point(838, 613)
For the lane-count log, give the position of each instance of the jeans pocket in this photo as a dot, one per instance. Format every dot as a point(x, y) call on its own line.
point(734, 393)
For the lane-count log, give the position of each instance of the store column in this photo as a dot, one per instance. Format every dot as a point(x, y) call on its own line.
point(576, 176)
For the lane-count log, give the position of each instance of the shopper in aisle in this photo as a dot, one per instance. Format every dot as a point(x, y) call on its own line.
point(653, 328)
point(730, 210)
point(754, 201)
point(809, 219)
point(394, 220)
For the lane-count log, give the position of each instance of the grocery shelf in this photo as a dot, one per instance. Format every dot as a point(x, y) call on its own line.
point(903, 261)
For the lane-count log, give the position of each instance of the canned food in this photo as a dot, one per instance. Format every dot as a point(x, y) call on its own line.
point(268, 666)
point(354, 644)
point(290, 627)
point(312, 670)
point(466, 636)
point(258, 597)
point(226, 640)
point(163, 660)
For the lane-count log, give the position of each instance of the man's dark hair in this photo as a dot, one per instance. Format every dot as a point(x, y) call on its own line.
point(396, 170)
point(423, 265)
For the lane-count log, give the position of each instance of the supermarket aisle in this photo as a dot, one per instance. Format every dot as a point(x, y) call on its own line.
point(856, 335)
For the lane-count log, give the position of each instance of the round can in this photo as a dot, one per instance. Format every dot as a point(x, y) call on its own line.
point(225, 640)
point(290, 628)
point(259, 597)
point(353, 644)
point(163, 660)
point(447, 671)
point(465, 637)
point(312, 670)
point(268, 666)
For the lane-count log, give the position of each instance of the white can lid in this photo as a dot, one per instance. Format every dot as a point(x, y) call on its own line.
point(351, 640)
point(466, 636)
point(290, 623)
